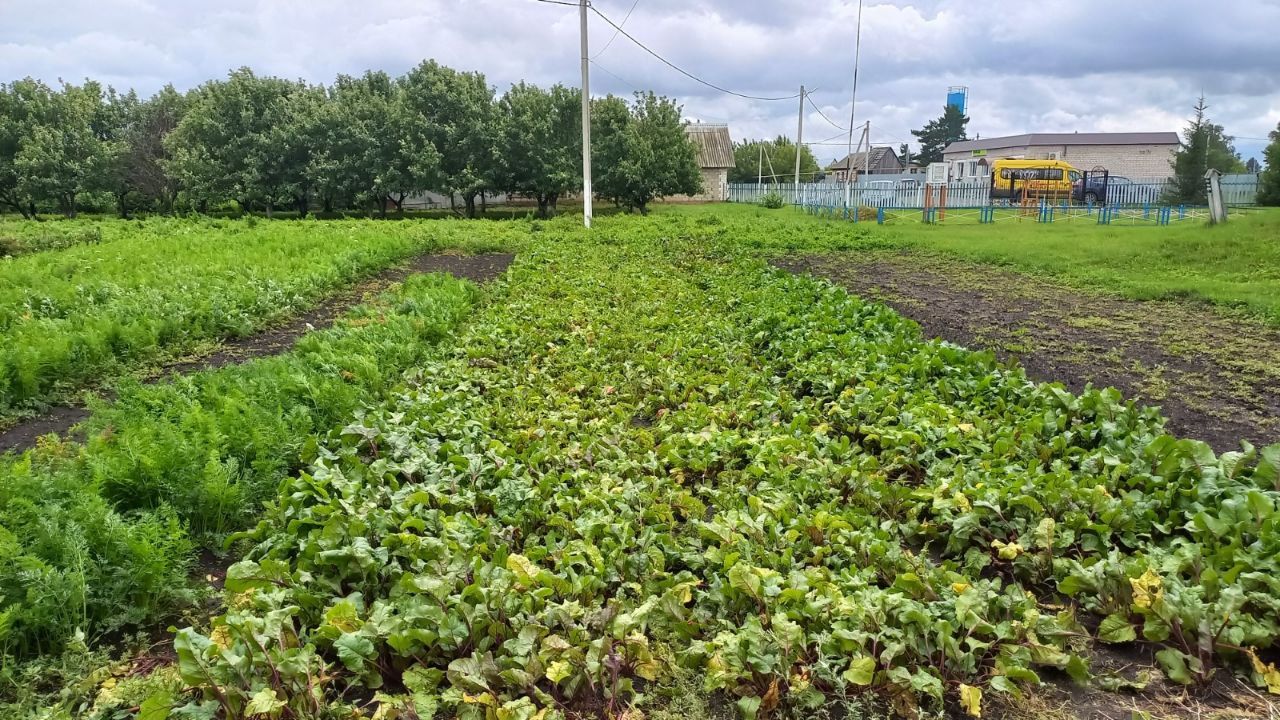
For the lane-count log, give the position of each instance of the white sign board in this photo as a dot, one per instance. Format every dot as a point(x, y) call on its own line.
point(937, 174)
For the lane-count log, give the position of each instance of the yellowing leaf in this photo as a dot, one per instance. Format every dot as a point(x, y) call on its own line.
point(1147, 589)
point(221, 636)
point(960, 587)
point(559, 670)
point(263, 702)
point(524, 569)
point(1268, 674)
point(971, 700)
point(483, 699)
point(965, 427)
point(1007, 551)
point(861, 671)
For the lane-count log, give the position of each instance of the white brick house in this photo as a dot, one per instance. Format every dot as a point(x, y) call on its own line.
point(1132, 155)
point(714, 147)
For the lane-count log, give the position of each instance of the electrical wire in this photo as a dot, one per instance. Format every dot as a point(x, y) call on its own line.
point(560, 2)
point(808, 98)
point(679, 69)
point(616, 76)
point(615, 32)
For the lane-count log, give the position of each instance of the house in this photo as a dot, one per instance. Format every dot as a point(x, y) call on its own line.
point(1145, 155)
point(884, 161)
point(715, 157)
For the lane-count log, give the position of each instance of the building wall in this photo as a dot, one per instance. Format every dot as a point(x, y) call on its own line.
point(715, 187)
point(1132, 161)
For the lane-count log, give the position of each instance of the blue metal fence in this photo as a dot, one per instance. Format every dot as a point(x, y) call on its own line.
point(907, 191)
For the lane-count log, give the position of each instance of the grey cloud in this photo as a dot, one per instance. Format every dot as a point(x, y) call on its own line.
point(1052, 65)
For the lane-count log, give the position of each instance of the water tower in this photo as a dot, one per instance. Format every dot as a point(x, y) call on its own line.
point(959, 97)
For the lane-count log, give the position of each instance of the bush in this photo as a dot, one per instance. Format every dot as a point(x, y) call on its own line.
point(772, 200)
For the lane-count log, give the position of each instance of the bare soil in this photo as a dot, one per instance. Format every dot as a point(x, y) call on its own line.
point(270, 341)
point(1215, 377)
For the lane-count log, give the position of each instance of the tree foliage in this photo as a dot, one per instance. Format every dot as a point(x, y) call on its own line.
point(460, 121)
point(371, 148)
point(540, 143)
point(253, 142)
point(1269, 182)
point(640, 151)
point(25, 105)
point(66, 154)
point(774, 159)
point(937, 134)
point(1204, 146)
point(235, 141)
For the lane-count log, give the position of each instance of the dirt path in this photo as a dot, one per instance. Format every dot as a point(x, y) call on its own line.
point(1216, 378)
point(273, 340)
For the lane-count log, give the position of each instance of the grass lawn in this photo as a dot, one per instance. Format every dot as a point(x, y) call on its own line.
point(1236, 265)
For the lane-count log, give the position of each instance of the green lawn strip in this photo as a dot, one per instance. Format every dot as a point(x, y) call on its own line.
point(1235, 267)
point(653, 452)
point(92, 313)
point(99, 537)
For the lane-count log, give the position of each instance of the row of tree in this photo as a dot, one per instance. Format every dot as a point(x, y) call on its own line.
point(363, 142)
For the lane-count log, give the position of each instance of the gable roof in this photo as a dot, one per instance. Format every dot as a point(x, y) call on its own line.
point(713, 144)
point(1013, 141)
point(860, 159)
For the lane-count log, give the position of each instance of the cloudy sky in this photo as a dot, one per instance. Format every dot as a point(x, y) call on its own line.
point(1044, 65)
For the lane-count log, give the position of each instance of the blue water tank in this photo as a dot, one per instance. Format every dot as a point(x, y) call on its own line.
point(959, 97)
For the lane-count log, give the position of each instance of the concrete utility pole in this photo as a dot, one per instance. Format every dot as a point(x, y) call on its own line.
point(799, 139)
point(866, 164)
point(853, 106)
point(586, 118)
point(760, 166)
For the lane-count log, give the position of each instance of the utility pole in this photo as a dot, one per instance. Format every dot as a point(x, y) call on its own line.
point(853, 105)
point(586, 119)
point(866, 164)
point(799, 139)
point(760, 166)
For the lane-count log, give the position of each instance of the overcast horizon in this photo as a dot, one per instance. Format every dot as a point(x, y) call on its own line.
point(1055, 66)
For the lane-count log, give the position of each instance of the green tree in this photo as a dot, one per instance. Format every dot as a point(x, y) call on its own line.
point(1269, 181)
point(540, 143)
point(113, 124)
point(640, 152)
point(937, 134)
point(66, 154)
point(1204, 146)
point(146, 162)
point(774, 159)
point(24, 104)
point(459, 120)
point(371, 149)
point(224, 148)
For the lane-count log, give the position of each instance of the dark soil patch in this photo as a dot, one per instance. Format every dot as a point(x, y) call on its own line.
point(271, 341)
point(1215, 378)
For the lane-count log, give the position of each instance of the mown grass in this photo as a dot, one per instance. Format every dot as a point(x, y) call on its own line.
point(1235, 266)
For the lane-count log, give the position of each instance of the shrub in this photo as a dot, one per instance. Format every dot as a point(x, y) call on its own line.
point(772, 200)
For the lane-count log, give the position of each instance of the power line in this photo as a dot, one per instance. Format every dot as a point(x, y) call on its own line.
point(817, 109)
point(615, 32)
point(559, 2)
point(616, 76)
point(677, 68)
